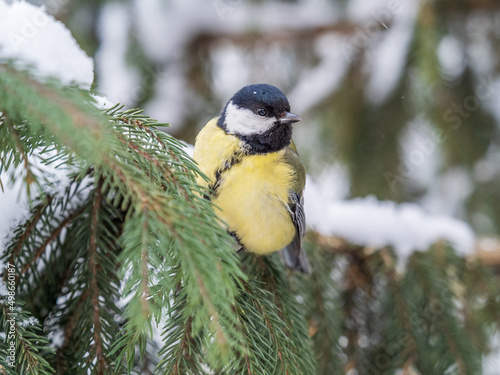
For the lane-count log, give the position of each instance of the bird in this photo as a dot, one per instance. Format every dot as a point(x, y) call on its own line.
point(256, 178)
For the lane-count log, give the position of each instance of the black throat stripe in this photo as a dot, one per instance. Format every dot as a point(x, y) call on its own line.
point(274, 139)
point(219, 173)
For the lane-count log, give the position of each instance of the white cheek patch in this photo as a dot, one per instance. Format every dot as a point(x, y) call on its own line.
point(244, 121)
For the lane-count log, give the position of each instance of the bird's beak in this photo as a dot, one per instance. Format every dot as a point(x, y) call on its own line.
point(289, 118)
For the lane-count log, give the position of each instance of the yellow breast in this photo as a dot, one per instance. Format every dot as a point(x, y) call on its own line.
point(253, 193)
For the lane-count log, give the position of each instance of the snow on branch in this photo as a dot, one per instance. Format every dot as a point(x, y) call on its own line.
point(30, 35)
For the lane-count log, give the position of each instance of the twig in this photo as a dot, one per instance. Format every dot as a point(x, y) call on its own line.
point(300, 35)
point(183, 348)
point(29, 174)
point(145, 273)
point(29, 227)
point(52, 237)
point(93, 265)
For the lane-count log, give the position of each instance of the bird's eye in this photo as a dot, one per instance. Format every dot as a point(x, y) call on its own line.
point(262, 112)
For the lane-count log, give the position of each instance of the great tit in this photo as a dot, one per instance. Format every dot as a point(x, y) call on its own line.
point(256, 177)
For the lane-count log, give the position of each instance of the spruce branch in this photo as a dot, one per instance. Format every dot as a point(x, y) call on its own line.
point(283, 322)
point(93, 287)
point(182, 350)
point(30, 177)
point(29, 227)
point(61, 115)
point(31, 344)
point(322, 305)
point(404, 315)
point(90, 305)
point(53, 235)
point(73, 319)
point(439, 292)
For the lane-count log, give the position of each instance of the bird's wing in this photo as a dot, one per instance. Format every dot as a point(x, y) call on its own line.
point(296, 209)
point(293, 255)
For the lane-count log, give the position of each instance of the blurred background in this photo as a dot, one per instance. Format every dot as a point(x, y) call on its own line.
point(399, 100)
point(398, 97)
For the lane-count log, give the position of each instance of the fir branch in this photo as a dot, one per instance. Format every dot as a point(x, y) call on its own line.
point(275, 336)
point(221, 337)
point(62, 116)
point(89, 309)
point(145, 294)
point(167, 172)
point(458, 354)
point(30, 342)
point(184, 349)
point(79, 117)
point(53, 235)
point(321, 303)
point(30, 177)
point(29, 227)
point(404, 316)
point(441, 341)
point(357, 278)
point(93, 286)
point(284, 322)
point(70, 325)
point(151, 208)
point(140, 124)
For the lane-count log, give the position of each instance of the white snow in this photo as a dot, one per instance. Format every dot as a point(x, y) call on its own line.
point(449, 194)
point(30, 322)
point(364, 11)
point(452, 57)
point(480, 52)
point(102, 102)
point(14, 200)
point(31, 36)
point(230, 70)
point(14, 208)
point(420, 149)
point(56, 337)
point(170, 104)
point(369, 222)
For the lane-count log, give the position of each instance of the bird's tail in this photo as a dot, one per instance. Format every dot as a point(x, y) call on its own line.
point(294, 257)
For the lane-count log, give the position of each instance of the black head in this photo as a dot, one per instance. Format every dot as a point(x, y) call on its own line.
point(260, 115)
point(262, 96)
